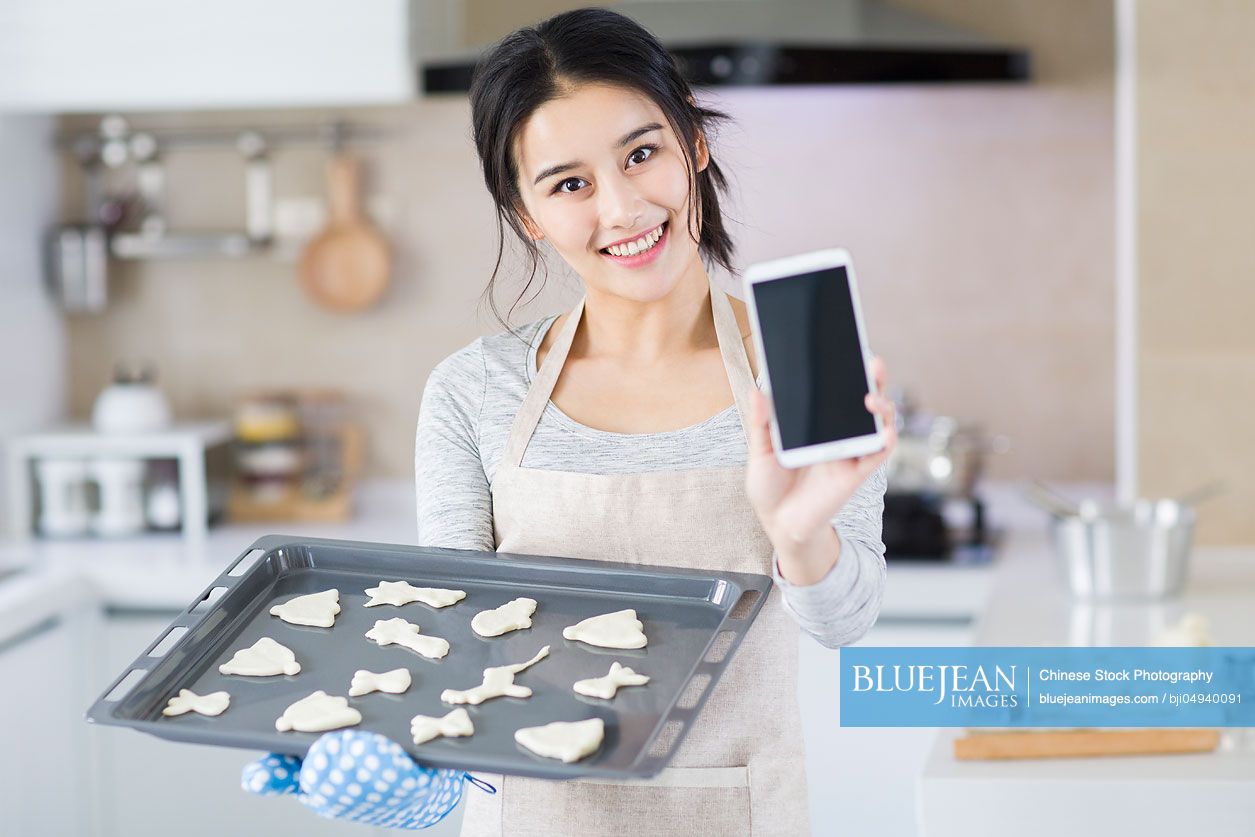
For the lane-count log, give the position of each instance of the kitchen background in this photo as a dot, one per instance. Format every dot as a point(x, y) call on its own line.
point(980, 182)
point(1002, 236)
point(1062, 261)
point(991, 293)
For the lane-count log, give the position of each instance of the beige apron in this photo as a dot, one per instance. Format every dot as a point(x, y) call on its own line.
point(741, 769)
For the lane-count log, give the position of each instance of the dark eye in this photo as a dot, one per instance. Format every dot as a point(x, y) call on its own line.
point(641, 154)
point(571, 184)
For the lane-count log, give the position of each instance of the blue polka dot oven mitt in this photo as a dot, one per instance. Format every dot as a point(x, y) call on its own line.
point(361, 777)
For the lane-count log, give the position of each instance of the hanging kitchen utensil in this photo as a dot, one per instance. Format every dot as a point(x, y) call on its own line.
point(346, 266)
point(76, 264)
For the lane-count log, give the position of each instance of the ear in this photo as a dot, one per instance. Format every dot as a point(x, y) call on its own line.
point(699, 143)
point(703, 152)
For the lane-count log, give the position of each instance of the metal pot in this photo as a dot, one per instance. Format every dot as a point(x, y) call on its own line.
point(943, 457)
point(1137, 551)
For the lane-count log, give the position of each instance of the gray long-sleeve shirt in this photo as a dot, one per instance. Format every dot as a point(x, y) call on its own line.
point(467, 411)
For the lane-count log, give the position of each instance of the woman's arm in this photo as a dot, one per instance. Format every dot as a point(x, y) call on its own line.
point(825, 522)
point(454, 503)
point(840, 608)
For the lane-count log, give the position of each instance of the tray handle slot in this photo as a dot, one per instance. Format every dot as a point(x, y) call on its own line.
point(208, 600)
point(693, 692)
point(245, 563)
point(744, 605)
point(720, 646)
point(667, 738)
point(123, 686)
point(168, 641)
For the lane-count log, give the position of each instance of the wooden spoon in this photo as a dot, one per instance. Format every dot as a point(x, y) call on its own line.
point(345, 267)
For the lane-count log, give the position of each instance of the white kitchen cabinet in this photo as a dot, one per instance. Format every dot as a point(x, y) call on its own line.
point(44, 770)
point(86, 56)
point(154, 788)
point(862, 780)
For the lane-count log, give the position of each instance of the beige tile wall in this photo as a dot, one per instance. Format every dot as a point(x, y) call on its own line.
point(1196, 179)
point(980, 218)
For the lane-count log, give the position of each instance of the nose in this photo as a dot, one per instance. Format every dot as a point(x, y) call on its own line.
point(619, 204)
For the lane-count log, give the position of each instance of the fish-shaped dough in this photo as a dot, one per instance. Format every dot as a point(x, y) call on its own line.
point(453, 725)
point(498, 682)
point(512, 616)
point(318, 713)
point(566, 741)
point(399, 632)
point(402, 593)
point(607, 687)
point(316, 609)
point(393, 682)
point(264, 658)
point(211, 704)
point(620, 629)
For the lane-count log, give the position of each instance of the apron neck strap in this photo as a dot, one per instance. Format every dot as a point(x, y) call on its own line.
point(537, 399)
point(735, 361)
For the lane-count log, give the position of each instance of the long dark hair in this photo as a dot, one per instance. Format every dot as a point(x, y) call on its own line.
point(536, 64)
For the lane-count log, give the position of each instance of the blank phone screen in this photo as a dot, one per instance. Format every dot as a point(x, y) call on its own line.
point(813, 357)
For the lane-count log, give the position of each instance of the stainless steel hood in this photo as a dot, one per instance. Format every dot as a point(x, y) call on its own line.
point(742, 42)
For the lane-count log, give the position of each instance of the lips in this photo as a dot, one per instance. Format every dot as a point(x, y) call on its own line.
point(640, 242)
point(641, 257)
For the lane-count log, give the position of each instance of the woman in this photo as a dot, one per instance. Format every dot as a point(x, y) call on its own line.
point(631, 428)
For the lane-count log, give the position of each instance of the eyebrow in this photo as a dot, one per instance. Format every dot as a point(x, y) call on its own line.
point(628, 137)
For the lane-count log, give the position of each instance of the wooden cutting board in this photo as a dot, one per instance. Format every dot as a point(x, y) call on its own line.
point(1074, 743)
point(346, 266)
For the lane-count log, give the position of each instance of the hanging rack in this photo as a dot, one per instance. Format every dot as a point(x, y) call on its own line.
point(115, 143)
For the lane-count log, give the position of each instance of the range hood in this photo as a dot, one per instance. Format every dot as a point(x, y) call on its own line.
point(741, 42)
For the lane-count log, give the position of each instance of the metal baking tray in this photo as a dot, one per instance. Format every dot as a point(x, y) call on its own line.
point(694, 620)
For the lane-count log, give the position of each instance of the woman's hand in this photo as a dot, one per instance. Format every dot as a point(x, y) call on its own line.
point(795, 505)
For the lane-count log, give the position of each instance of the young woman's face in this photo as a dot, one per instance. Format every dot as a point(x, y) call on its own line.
point(604, 180)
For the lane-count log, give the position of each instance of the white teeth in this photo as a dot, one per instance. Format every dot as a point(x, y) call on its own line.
point(640, 245)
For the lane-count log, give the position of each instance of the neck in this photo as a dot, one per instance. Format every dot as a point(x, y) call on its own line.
point(646, 331)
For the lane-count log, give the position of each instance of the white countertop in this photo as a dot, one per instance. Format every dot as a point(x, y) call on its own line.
point(1142, 795)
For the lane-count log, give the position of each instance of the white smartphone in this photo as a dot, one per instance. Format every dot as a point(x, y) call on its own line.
point(809, 335)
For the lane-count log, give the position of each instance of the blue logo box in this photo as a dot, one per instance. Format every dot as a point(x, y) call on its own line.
point(1047, 687)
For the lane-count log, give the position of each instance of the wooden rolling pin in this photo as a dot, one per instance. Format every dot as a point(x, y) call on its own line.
point(1073, 743)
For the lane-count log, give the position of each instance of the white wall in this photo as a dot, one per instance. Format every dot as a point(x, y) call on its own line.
point(32, 340)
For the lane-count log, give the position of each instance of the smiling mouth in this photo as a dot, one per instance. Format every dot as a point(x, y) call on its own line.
point(636, 246)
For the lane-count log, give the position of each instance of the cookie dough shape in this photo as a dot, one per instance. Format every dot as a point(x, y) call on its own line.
point(264, 658)
point(402, 593)
point(454, 725)
point(399, 632)
point(620, 629)
point(566, 741)
point(607, 687)
point(316, 609)
point(498, 682)
point(188, 701)
point(512, 616)
point(393, 682)
point(318, 713)
point(1190, 631)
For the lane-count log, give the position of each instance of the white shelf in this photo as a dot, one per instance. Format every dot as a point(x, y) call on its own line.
point(185, 442)
point(82, 440)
